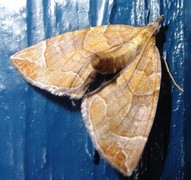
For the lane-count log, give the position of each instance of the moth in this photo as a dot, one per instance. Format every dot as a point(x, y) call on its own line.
point(119, 114)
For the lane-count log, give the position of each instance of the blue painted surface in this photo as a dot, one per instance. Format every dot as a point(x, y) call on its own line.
point(187, 100)
point(44, 137)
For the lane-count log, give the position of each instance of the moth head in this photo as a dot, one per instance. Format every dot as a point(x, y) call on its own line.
point(155, 26)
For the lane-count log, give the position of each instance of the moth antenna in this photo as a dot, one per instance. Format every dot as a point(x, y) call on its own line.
point(147, 16)
point(171, 76)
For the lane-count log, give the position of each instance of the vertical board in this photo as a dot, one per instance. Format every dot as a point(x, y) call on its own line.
point(44, 137)
point(187, 99)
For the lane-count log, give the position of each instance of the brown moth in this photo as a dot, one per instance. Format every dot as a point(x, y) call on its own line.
point(119, 114)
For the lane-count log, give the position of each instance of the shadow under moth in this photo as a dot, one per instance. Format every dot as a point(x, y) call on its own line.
point(119, 114)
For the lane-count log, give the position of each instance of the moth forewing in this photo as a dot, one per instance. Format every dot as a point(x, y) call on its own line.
point(118, 115)
point(61, 64)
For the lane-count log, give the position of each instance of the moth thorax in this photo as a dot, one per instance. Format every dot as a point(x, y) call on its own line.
point(104, 63)
point(112, 62)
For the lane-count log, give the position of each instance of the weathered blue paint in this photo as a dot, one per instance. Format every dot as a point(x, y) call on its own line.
point(44, 137)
